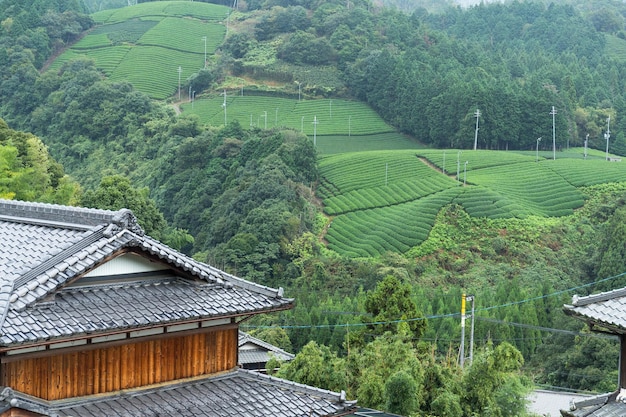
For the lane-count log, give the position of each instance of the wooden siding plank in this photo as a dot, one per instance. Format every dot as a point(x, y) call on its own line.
point(110, 368)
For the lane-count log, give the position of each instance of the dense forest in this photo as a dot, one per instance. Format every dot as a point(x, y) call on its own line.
point(244, 199)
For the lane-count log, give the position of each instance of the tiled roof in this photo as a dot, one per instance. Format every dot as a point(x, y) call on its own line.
point(368, 412)
point(600, 406)
point(607, 309)
point(44, 247)
point(263, 353)
point(239, 393)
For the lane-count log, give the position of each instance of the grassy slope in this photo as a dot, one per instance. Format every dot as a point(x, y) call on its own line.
point(388, 201)
point(146, 44)
point(381, 201)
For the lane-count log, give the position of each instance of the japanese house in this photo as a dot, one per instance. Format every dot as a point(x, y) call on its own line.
point(99, 319)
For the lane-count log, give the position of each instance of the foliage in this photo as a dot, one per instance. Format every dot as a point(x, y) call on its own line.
point(391, 302)
point(28, 173)
point(317, 366)
point(401, 392)
point(116, 192)
point(491, 385)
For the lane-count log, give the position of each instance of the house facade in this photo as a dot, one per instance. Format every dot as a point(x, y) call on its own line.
point(99, 319)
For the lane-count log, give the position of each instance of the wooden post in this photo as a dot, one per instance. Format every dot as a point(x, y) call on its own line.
point(622, 361)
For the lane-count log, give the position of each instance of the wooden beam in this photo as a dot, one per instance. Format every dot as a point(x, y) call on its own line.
point(622, 361)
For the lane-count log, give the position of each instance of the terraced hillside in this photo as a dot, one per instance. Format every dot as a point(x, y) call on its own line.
point(334, 125)
point(388, 201)
point(146, 44)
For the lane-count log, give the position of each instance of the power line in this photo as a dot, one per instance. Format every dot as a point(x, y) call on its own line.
point(440, 316)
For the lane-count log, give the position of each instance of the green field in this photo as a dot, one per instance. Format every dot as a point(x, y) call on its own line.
point(198, 10)
point(342, 125)
point(387, 201)
point(146, 44)
point(334, 117)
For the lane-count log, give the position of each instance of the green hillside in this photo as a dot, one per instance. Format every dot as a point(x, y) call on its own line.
point(146, 44)
point(342, 125)
point(387, 201)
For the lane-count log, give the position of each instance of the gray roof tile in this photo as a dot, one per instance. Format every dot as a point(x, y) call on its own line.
point(604, 405)
point(606, 309)
point(46, 246)
point(238, 393)
point(259, 351)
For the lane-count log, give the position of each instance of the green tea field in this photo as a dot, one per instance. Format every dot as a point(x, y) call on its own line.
point(152, 44)
point(388, 201)
point(335, 126)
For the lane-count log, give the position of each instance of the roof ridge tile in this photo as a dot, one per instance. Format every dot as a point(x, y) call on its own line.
point(597, 298)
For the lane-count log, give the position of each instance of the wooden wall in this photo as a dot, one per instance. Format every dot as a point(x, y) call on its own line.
point(130, 365)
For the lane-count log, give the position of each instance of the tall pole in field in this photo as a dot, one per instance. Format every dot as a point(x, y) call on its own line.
point(458, 167)
point(537, 150)
point(204, 39)
point(477, 116)
point(471, 355)
point(315, 122)
point(180, 70)
point(607, 135)
point(553, 113)
point(586, 141)
point(224, 105)
point(462, 348)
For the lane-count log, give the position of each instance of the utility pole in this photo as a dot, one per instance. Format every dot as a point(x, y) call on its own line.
point(553, 113)
point(464, 299)
point(224, 105)
point(180, 70)
point(462, 349)
point(315, 122)
point(607, 135)
point(586, 141)
point(458, 167)
point(471, 355)
point(476, 115)
point(537, 150)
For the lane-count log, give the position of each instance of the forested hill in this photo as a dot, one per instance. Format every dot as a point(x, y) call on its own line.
point(251, 195)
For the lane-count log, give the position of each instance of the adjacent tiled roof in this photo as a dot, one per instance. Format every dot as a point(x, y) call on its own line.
point(239, 393)
point(368, 412)
point(43, 247)
point(263, 353)
point(600, 406)
point(607, 309)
